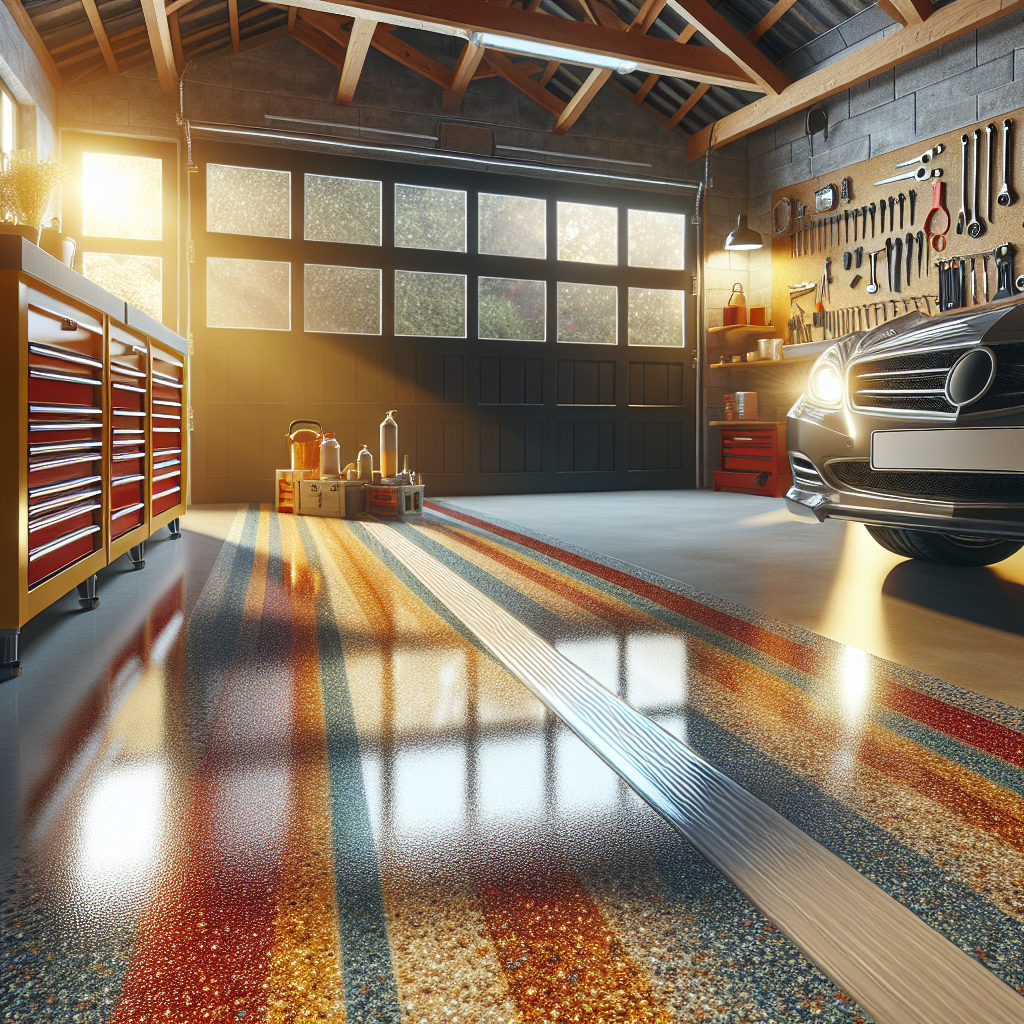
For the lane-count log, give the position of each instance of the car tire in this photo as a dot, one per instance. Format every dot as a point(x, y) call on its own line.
point(944, 548)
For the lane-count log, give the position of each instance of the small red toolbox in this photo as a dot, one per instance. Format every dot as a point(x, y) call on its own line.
point(752, 458)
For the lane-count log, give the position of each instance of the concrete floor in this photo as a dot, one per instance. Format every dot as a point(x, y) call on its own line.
point(965, 626)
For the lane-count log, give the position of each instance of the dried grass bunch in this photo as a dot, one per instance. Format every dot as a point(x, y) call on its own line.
point(28, 185)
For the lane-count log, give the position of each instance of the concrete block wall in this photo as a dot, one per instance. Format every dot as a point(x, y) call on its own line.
point(22, 73)
point(979, 76)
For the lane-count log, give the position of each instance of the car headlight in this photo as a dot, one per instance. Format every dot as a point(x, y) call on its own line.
point(825, 381)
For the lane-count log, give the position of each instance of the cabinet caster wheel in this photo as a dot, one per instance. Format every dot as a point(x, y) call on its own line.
point(137, 556)
point(87, 594)
point(9, 672)
point(175, 529)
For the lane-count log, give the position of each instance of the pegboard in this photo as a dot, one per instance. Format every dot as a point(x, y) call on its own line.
point(1006, 225)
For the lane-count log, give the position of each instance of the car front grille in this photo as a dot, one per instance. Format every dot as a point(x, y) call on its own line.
point(967, 488)
point(916, 381)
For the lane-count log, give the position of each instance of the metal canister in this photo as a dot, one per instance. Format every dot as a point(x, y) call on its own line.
point(305, 445)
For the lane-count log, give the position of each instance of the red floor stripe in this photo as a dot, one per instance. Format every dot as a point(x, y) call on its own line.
point(993, 738)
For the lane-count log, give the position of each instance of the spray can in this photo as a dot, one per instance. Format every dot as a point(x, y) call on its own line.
point(365, 462)
point(330, 458)
point(389, 446)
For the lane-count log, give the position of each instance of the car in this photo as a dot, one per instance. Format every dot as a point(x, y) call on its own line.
point(916, 428)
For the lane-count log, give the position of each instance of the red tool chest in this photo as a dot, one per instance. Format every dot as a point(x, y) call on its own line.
point(752, 458)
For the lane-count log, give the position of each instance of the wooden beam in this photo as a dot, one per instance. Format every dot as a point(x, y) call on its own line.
point(100, 33)
point(35, 41)
point(946, 23)
point(648, 14)
point(650, 53)
point(355, 53)
point(465, 71)
point(778, 9)
point(511, 73)
point(641, 94)
point(580, 100)
point(179, 53)
point(731, 41)
point(319, 44)
point(233, 22)
point(160, 42)
point(913, 12)
point(691, 101)
point(292, 12)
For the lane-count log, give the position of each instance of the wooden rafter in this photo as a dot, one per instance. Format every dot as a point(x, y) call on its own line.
point(909, 12)
point(465, 71)
point(160, 40)
point(355, 54)
point(319, 43)
point(778, 9)
point(946, 23)
point(236, 37)
point(730, 40)
point(35, 41)
point(179, 53)
point(691, 101)
point(515, 75)
point(93, 14)
point(650, 53)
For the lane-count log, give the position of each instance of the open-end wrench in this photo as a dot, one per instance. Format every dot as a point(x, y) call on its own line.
point(921, 174)
point(924, 158)
point(1006, 197)
point(873, 267)
point(961, 220)
point(976, 226)
point(990, 134)
point(902, 200)
point(864, 210)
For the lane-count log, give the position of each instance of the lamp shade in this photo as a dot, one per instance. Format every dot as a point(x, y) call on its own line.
point(743, 237)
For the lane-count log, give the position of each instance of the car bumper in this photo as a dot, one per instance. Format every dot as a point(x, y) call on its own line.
point(814, 440)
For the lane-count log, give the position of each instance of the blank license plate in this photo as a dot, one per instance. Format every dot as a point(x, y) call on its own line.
point(977, 449)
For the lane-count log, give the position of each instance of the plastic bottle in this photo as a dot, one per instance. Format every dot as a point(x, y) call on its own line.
point(330, 457)
point(365, 461)
point(389, 446)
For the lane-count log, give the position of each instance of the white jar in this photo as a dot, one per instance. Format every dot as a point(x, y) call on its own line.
point(330, 457)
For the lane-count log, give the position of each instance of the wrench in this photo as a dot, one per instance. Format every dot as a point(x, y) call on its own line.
point(921, 174)
point(976, 226)
point(961, 220)
point(990, 134)
point(902, 200)
point(912, 193)
point(892, 210)
point(864, 210)
point(920, 253)
point(924, 158)
point(873, 264)
point(1006, 196)
point(908, 243)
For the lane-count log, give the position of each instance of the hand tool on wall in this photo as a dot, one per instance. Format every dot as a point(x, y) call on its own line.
point(846, 222)
point(847, 260)
point(873, 276)
point(1003, 255)
point(902, 200)
point(892, 211)
point(926, 157)
point(888, 262)
point(865, 211)
point(881, 217)
point(974, 283)
point(984, 273)
point(976, 226)
point(961, 220)
point(990, 134)
point(831, 230)
point(912, 193)
point(1006, 197)
point(856, 280)
point(858, 256)
point(920, 253)
point(908, 244)
point(897, 264)
point(937, 221)
point(827, 289)
point(921, 174)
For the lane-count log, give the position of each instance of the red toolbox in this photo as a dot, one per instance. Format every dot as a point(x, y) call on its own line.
point(752, 458)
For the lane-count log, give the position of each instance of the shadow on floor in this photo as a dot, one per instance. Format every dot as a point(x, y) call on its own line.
point(976, 595)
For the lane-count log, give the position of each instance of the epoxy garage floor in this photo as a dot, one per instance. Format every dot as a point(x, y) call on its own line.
point(524, 760)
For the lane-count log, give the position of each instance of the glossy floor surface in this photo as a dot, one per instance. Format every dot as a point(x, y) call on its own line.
point(284, 777)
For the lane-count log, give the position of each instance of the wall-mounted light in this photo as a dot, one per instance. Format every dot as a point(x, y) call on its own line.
point(561, 53)
point(743, 237)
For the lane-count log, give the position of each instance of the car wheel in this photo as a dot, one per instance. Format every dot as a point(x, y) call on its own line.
point(944, 548)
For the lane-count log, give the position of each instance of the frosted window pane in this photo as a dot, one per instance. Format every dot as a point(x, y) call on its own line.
point(248, 293)
point(655, 317)
point(588, 234)
point(511, 310)
point(122, 196)
point(586, 313)
point(341, 300)
point(248, 201)
point(656, 239)
point(430, 218)
point(342, 210)
point(430, 305)
point(513, 226)
point(136, 279)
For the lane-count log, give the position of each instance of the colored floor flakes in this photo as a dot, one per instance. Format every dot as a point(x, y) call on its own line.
point(321, 799)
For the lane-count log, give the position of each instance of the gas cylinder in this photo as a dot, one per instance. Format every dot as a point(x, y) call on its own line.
point(365, 461)
point(389, 446)
point(330, 457)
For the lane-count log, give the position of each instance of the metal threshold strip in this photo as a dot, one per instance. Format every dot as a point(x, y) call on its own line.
point(894, 965)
